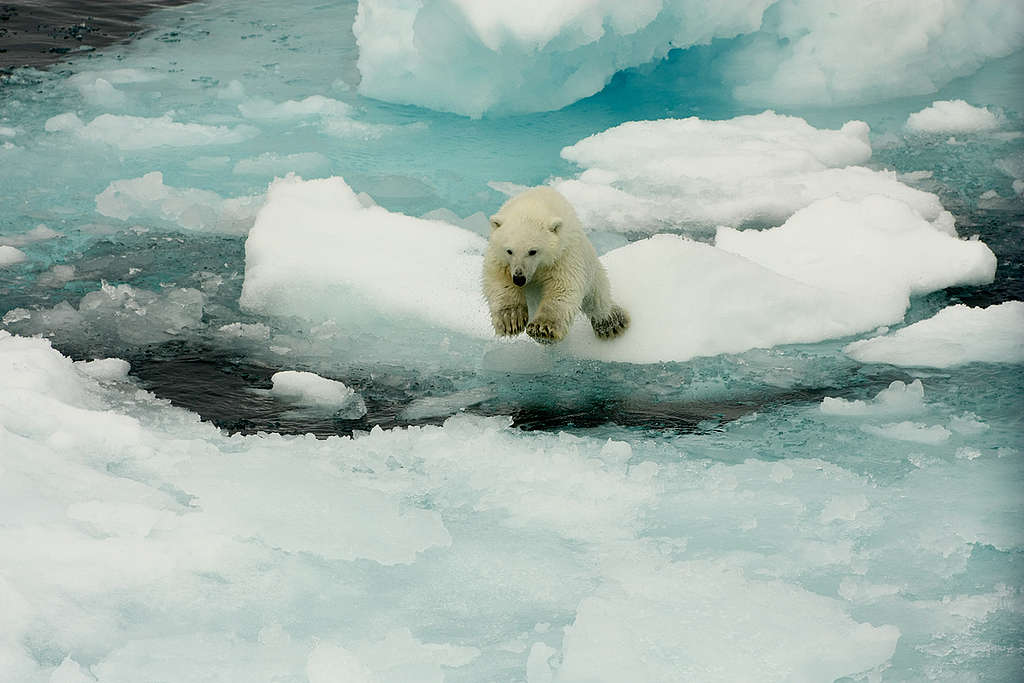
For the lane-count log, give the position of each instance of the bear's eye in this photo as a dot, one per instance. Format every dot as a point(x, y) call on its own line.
point(532, 252)
point(508, 251)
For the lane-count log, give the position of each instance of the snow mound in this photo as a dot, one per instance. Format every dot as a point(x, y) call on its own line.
point(316, 252)
point(647, 176)
point(898, 397)
point(952, 116)
point(955, 335)
point(148, 198)
point(139, 132)
point(477, 57)
point(309, 389)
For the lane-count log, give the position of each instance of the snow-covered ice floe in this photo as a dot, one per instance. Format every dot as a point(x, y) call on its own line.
point(836, 268)
point(954, 336)
point(952, 116)
point(477, 57)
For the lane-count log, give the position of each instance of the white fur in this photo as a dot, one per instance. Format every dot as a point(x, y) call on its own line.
point(564, 275)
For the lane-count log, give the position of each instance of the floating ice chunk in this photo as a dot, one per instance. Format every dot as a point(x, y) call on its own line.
point(899, 397)
point(645, 176)
point(138, 132)
point(11, 255)
point(492, 57)
point(56, 277)
point(315, 105)
point(955, 335)
point(685, 621)
point(952, 116)
point(433, 406)
point(105, 368)
point(149, 198)
point(843, 507)
point(100, 93)
point(271, 164)
point(878, 248)
point(36, 234)
point(910, 431)
point(253, 331)
point(316, 252)
point(7, 132)
point(309, 389)
point(834, 52)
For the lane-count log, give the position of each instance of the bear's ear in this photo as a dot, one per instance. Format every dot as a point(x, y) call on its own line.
point(554, 224)
point(496, 221)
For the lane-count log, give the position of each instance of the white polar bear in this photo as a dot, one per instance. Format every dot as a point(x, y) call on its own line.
point(538, 250)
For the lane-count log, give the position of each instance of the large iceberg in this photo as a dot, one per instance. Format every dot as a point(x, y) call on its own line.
point(477, 57)
point(474, 57)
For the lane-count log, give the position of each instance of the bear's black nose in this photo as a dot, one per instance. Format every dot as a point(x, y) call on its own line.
point(518, 280)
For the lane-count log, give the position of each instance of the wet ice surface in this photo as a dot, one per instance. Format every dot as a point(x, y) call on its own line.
point(801, 465)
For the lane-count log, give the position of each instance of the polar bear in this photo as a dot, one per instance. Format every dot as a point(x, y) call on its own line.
point(538, 251)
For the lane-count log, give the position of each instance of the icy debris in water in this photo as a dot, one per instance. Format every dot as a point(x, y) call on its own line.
point(149, 198)
point(315, 105)
point(967, 453)
point(120, 313)
point(899, 397)
point(309, 389)
point(138, 132)
point(449, 404)
point(37, 234)
point(910, 431)
point(954, 336)
point(968, 424)
point(7, 132)
point(845, 508)
point(952, 116)
point(16, 315)
point(646, 176)
point(56, 277)
point(252, 331)
point(105, 368)
point(99, 92)
point(11, 255)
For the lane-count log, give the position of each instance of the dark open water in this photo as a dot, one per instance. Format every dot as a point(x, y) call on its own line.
point(44, 32)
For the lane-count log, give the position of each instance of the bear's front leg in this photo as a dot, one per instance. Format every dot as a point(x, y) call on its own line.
point(510, 320)
point(506, 301)
point(554, 316)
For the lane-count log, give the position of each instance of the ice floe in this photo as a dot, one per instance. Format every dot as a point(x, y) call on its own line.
point(148, 198)
point(310, 389)
point(140, 132)
point(649, 176)
point(954, 336)
point(952, 116)
point(11, 255)
point(316, 252)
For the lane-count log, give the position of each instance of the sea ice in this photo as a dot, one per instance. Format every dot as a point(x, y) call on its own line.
point(910, 431)
point(898, 397)
point(11, 255)
point(139, 132)
point(955, 335)
point(309, 389)
point(648, 176)
point(317, 253)
point(149, 198)
point(952, 116)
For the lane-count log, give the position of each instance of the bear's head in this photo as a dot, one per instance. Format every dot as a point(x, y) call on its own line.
point(526, 244)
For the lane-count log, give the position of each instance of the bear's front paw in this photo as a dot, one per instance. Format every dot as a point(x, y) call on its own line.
point(613, 325)
point(546, 331)
point(510, 321)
